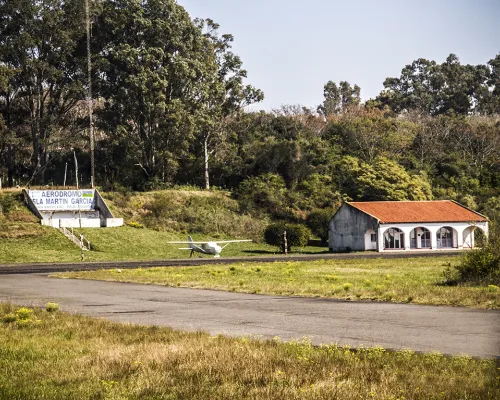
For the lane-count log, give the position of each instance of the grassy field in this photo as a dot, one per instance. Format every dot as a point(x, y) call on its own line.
point(53, 355)
point(152, 218)
point(124, 243)
point(414, 280)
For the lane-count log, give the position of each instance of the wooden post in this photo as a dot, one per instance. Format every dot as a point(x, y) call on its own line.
point(285, 242)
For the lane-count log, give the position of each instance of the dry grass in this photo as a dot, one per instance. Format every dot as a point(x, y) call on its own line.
point(73, 357)
point(413, 280)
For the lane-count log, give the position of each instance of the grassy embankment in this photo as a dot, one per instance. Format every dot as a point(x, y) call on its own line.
point(414, 280)
point(154, 218)
point(60, 356)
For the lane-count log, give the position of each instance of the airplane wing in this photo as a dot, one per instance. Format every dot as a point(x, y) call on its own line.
point(188, 242)
point(216, 241)
point(233, 241)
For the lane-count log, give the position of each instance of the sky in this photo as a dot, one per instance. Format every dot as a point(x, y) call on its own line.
point(291, 48)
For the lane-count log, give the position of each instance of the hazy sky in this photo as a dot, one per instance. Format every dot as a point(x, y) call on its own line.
point(291, 48)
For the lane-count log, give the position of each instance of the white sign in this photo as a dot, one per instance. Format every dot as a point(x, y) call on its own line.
point(67, 200)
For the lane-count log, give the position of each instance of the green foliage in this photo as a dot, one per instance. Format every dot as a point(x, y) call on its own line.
point(339, 98)
point(317, 221)
point(264, 193)
point(51, 307)
point(317, 191)
point(371, 133)
point(46, 56)
point(447, 88)
point(24, 313)
point(479, 266)
point(296, 235)
point(382, 180)
point(135, 224)
point(22, 317)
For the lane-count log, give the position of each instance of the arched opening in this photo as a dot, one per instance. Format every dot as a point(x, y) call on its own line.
point(420, 238)
point(394, 239)
point(370, 240)
point(473, 237)
point(446, 238)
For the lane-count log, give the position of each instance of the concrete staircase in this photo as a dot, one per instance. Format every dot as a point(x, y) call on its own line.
point(77, 238)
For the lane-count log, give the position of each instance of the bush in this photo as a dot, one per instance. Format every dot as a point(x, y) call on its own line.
point(317, 221)
point(479, 266)
point(51, 307)
point(296, 235)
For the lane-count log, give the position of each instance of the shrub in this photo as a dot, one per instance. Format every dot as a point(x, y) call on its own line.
point(24, 313)
point(296, 235)
point(51, 307)
point(10, 317)
point(135, 224)
point(479, 266)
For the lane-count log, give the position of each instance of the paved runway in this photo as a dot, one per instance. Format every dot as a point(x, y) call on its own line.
point(449, 330)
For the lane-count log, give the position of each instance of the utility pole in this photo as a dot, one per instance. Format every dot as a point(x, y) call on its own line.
point(89, 96)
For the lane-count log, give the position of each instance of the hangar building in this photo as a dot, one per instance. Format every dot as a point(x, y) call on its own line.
point(404, 226)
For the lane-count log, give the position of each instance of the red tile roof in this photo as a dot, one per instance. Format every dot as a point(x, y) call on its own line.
point(388, 212)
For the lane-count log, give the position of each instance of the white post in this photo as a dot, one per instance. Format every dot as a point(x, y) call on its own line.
point(433, 232)
point(460, 237)
point(380, 239)
point(406, 237)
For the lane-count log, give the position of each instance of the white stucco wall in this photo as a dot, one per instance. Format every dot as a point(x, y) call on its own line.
point(463, 235)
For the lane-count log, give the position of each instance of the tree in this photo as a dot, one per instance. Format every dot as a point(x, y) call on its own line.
point(339, 98)
point(447, 88)
point(317, 221)
point(228, 94)
point(382, 180)
point(40, 46)
point(370, 133)
point(263, 193)
point(157, 72)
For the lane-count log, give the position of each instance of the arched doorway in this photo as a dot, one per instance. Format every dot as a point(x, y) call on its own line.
point(394, 239)
point(370, 240)
point(446, 238)
point(473, 237)
point(420, 238)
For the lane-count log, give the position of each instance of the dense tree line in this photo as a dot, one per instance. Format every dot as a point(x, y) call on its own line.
point(169, 101)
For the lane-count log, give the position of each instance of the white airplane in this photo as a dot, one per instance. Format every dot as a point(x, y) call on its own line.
point(206, 247)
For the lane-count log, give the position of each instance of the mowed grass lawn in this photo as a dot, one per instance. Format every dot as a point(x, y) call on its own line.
point(60, 356)
point(124, 243)
point(412, 280)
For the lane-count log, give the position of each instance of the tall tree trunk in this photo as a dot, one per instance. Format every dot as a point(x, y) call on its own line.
point(10, 150)
point(207, 178)
point(10, 168)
